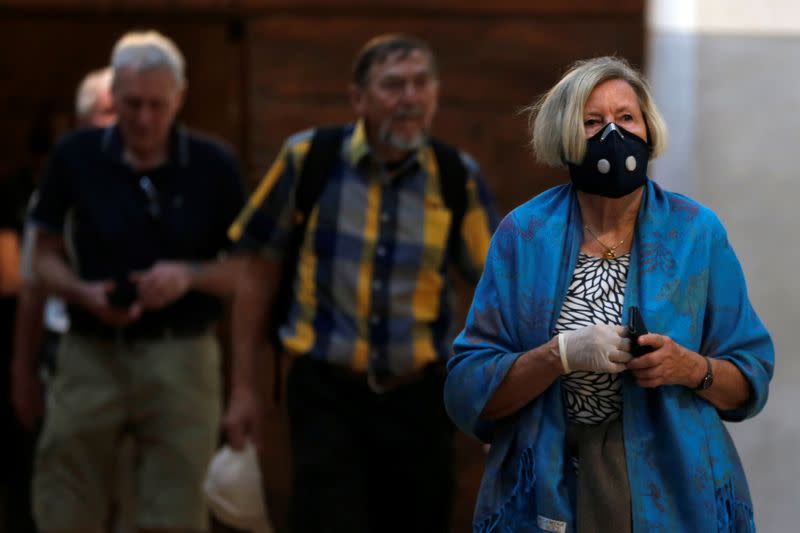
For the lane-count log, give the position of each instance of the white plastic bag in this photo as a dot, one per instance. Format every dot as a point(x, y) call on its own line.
point(234, 492)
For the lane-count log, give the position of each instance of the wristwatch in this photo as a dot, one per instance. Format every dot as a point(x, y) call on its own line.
point(708, 379)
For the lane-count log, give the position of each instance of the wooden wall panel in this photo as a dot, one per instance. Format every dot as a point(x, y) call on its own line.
point(42, 59)
point(538, 7)
point(546, 7)
point(107, 6)
point(485, 63)
point(489, 70)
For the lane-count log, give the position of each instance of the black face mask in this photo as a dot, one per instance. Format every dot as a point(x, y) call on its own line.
point(615, 163)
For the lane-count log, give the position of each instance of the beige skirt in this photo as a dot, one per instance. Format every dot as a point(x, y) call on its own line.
point(603, 491)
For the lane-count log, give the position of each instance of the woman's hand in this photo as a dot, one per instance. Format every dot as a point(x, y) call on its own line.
point(668, 364)
point(596, 348)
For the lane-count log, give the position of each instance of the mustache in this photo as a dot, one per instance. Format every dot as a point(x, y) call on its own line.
point(408, 113)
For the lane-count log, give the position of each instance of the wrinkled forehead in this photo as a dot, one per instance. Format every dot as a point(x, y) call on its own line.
point(402, 62)
point(149, 80)
point(617, 91)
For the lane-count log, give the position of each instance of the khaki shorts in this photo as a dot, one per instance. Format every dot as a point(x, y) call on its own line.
point(166, 393)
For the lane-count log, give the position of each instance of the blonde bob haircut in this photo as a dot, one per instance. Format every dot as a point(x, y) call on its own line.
point(555, 121)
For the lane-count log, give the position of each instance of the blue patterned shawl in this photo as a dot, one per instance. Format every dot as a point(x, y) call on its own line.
point(684, 472)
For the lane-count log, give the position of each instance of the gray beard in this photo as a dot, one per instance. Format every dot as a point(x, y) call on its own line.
point(401, 143)
point(407, 145)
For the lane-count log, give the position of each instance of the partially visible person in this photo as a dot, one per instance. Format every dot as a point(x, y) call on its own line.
point(9, 256)
point(141, 269)
point(380, 213)
point(35, 312)
point(40, 320)
point(593, 428)
point(94, 106)
point(17, 442)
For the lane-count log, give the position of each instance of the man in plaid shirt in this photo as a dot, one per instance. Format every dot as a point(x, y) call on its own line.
point(367, 327)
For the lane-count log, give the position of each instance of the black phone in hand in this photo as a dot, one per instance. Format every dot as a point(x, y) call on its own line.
point(124, 293)
point(636, 328)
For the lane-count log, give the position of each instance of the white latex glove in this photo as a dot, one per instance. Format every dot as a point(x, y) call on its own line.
point(596, 348)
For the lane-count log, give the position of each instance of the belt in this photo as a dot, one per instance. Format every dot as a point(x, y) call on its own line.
point(141, 332)
point(379, 382)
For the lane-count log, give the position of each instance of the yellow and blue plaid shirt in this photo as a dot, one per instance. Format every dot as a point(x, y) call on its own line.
point(371, 289)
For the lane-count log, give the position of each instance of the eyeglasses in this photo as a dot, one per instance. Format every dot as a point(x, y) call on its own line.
point(153, 205)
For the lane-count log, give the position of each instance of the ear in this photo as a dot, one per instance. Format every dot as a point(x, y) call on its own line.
point(357, 99)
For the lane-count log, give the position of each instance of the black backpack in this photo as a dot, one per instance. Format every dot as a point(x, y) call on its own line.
point(320, 159)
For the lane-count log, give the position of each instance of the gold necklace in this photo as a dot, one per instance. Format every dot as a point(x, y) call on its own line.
point(610, 252)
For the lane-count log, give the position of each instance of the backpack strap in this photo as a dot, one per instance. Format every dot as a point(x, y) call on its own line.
point(317, 165)
point(453, 183)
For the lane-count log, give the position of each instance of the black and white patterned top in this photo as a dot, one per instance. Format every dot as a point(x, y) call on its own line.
point(595, 296)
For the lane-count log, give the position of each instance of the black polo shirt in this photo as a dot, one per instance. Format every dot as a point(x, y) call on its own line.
point(120, 224)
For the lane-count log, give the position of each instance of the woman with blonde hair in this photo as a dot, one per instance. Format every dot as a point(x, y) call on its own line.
point(596, 426)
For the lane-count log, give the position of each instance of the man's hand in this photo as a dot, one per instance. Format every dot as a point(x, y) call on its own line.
point(26, 393)
point(94, 298)
point(163, 283)
point(243, 418)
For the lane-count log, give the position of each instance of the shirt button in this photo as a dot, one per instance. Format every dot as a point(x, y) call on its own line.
point(384, 217)
point(375, 319)
point(381, 251)
point(377, 285)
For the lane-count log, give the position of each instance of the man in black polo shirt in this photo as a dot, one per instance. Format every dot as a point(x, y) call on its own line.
point(149, 206)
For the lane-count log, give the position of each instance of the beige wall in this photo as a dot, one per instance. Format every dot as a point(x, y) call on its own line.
point(725, 16)
point(727, 82)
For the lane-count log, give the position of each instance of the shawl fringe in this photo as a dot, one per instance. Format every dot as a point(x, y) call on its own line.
point(733, 514)
point(525, 481)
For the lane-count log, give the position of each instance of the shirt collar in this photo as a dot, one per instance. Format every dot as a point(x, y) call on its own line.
point(178, 155)
point(357, 149)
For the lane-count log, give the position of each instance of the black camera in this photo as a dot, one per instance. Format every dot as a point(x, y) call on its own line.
point(124, 293)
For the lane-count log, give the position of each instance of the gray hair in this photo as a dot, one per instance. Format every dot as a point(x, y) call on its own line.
point(379, 48)
point(92, 84)
point(148, 50)
point(555, 121)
